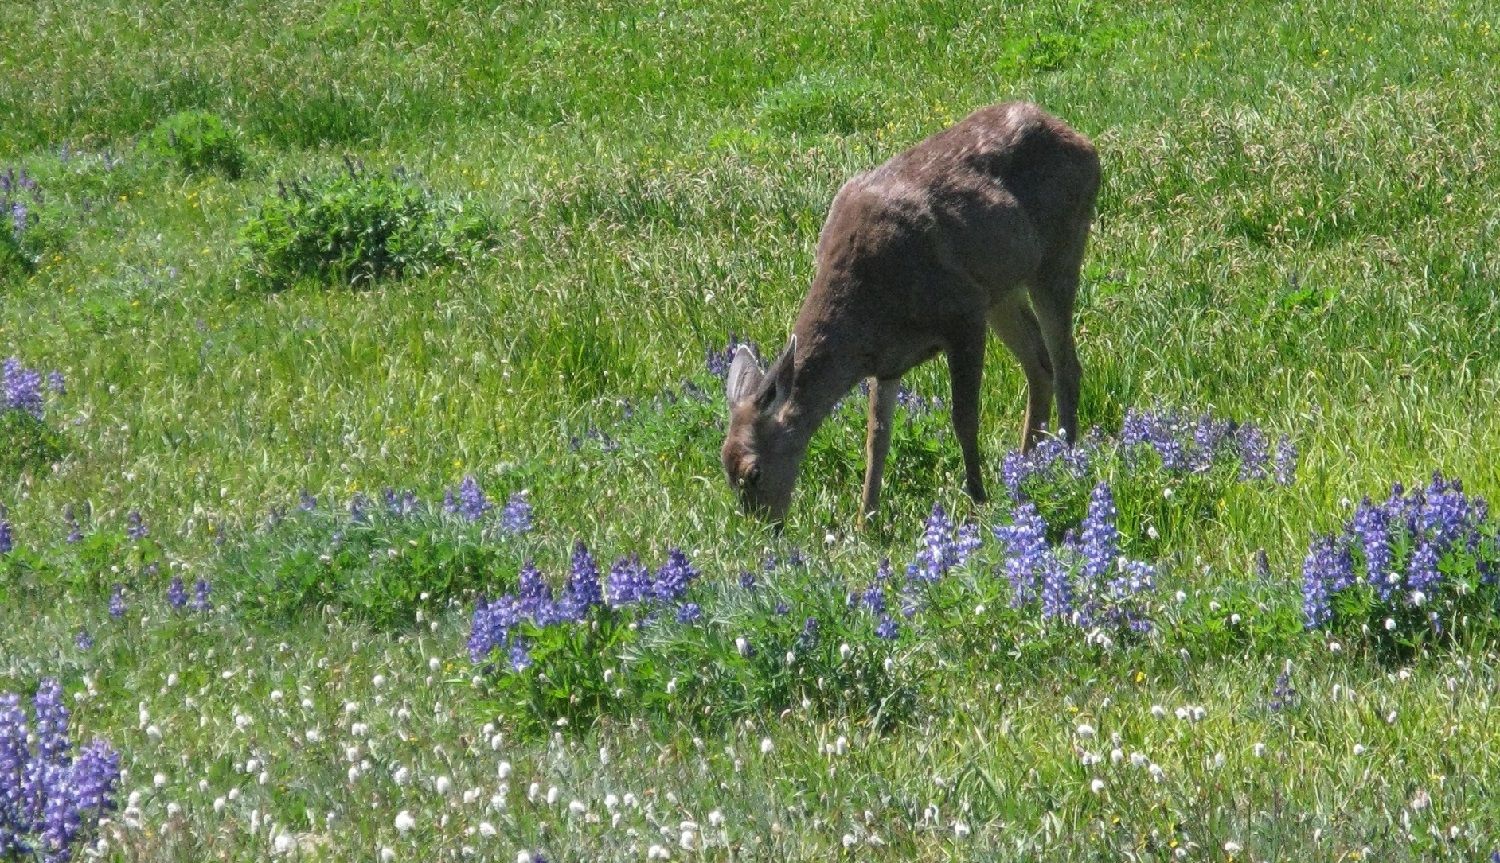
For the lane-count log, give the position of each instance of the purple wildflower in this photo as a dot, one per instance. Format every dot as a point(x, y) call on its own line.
point(83, 641)
point(20, 388)
point(200, 601)
point(1370, 529)
point(177, 593)
point(1026, 553)
point(673, 578)
point(1209, 437)
point(747, 580)
point(628, 582)
point(689, 612)
point(56, 383)
point(1254, 452)
point(1100, 542)
point(520, 656)
point(306, 502)
point(6, 541)
point(47, 799)
point(888, 629)
point(874, 598)
point(134, 528)
point(117, 601)
point(941, 550)
point(534, 595)
point(515, 518)
point(1320, 571)
point(490, 627)
point(1056, 589)
point(583, 590)
point(782, 609)
point(469, 501)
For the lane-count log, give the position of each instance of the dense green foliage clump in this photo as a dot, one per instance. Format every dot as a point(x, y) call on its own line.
point(355, 227)
point(199, 141)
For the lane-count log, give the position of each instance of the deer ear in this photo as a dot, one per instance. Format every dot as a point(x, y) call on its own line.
point(744, 376)
point(777, 385)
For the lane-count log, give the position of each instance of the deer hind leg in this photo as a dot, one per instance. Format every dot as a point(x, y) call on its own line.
point(1052, 296)
point(965, 371)
point(1016, 325)
point(877, 441)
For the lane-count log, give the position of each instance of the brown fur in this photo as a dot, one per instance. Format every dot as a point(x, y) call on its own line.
point(920, 256)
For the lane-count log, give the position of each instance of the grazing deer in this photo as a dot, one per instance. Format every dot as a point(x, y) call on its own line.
point(917, 257)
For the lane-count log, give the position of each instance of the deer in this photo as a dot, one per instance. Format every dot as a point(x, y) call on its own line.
point(981, 226)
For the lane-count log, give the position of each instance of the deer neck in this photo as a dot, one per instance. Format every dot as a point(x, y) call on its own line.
point(823, 377)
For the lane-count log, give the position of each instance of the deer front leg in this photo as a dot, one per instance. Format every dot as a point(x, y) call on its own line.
point(877, 441)
point(965, 369)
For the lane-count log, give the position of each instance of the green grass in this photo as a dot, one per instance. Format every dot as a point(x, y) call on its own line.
point(1298, 225)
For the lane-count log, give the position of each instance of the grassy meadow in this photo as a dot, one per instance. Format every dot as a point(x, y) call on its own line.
point(1298, 227)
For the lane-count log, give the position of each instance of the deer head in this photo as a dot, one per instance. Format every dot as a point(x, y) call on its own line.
point(763, 451)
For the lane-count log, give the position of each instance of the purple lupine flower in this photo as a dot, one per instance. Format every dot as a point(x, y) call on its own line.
point(520, 655)
point(1320, 571)
point(534, 596)
point(628, 582)
point(134, 528)
point(56, 383)
point(357, 506)
point(1253, 452)
point(689, 612)
point(20, 388)
point(1286, 461)
point(884, 570)
point(874, 598)
point(1370, 529)
point(515, 518)
point(1209, 437)
point(747, 580)
point(83, 640)
point(306, 502)
point(1099, 544)
point(1056, 589)
point(490, 627)
point(888, 629)
point(1027, 556)
point(200, 601)
point(939, 552)
point(1445, 513)
point(782, 609)
point(94, 775)
point(1422, 574)
point(469, 501)
point(675, 575)
point(117, 601)
point(6, 541)
point(176, 593)
point(583, 590)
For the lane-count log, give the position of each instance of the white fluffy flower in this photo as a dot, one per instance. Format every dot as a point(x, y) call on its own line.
point(404, 821)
